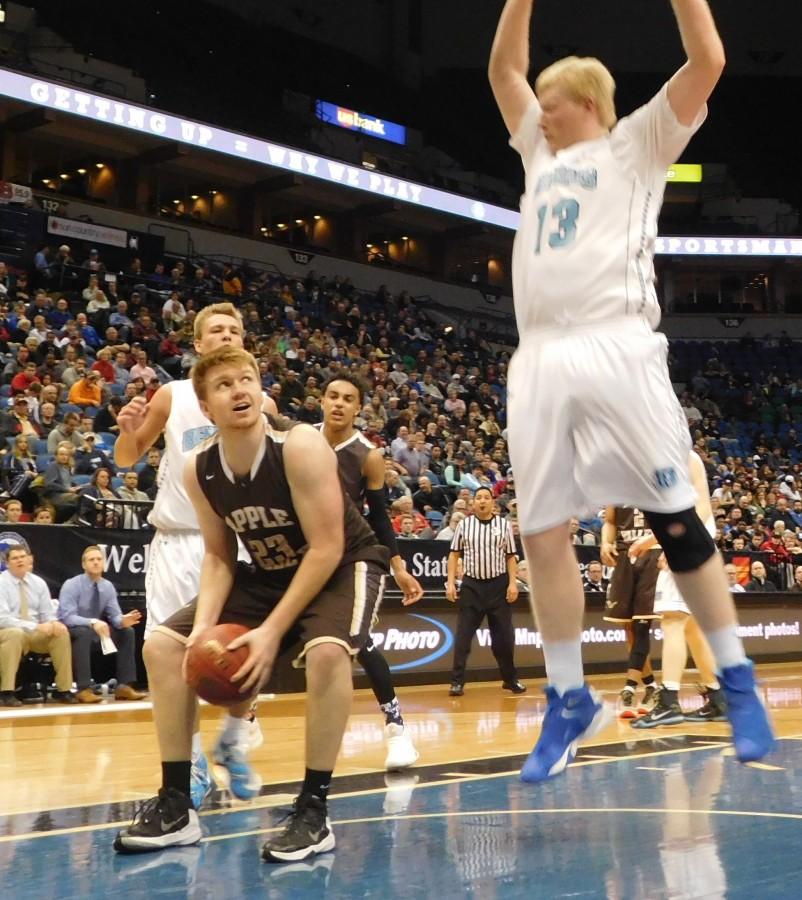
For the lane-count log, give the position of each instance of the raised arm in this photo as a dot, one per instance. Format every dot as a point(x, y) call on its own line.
point(140, 425)
point(692, 85)
point(509, 63)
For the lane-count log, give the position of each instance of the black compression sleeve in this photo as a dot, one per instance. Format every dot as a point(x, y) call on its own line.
point(380, 521)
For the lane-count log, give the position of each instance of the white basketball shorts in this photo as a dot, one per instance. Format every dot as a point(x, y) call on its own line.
point(667, 597)
point(173, 575)
point(594, 421)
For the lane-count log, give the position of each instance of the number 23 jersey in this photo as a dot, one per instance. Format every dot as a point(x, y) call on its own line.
point(585, 244)
point(258, 508)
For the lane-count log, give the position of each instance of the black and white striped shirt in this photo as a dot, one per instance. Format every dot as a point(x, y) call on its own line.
point(485, 546)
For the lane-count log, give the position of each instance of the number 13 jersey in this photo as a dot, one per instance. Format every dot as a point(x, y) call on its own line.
point(585, 244)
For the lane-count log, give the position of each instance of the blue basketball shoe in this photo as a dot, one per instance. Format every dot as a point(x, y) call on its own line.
point(200, 781)
point(752, 733)
point(233, 766)
point(578, 714)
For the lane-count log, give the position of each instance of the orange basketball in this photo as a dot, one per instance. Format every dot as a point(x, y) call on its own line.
point(210, 666)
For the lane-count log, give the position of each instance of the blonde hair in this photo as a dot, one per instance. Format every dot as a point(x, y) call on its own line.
point(223, 356)
point(216, 309)
point(582, 78)
point(91, 549)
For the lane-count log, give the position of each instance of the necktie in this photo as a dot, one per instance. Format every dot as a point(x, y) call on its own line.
point(24, 613)
point(95, 606)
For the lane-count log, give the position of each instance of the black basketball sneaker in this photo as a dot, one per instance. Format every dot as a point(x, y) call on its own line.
point(307, 833)
point(714, 708)
point(166, 820)
point(666, 711)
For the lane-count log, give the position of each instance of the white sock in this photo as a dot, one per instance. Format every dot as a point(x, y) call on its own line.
point(671, 685)
point(197, 748)
point(727, 647)
point(564, 664)
point(233, 730)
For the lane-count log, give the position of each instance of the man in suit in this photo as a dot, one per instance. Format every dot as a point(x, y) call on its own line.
point(28, 624)
point(88, 606)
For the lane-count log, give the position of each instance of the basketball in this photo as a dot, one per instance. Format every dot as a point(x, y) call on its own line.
point(210, 666)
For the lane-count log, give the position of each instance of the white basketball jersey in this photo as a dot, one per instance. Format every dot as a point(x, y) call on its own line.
point(584, 249)
point(186, 428)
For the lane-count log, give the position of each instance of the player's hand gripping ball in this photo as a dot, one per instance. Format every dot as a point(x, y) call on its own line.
point(209, 666)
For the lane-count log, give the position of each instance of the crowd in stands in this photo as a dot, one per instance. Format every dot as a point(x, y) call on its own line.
point(79, 343)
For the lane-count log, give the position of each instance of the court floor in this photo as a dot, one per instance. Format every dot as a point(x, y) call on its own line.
point(665, 813)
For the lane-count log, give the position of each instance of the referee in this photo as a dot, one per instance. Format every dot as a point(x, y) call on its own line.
point(487, 546)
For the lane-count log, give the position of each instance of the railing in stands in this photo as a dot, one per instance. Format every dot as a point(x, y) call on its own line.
point(187, 250)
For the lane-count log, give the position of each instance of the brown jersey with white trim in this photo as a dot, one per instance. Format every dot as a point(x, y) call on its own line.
point(258, 508)
point(630, 526)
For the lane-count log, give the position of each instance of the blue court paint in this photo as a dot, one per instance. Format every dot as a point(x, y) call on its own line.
point(694, 824)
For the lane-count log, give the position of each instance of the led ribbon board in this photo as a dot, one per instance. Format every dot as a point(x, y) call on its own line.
point(143, 119)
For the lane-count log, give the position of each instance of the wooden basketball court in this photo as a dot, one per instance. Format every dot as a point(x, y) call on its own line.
point(69, 777)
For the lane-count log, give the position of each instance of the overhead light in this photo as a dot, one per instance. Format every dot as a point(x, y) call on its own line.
point(194, 196)
point(100, 165)
point(213, 193)
point(46, 181)
point(448, 329)
point(64, 176)
point(404, 237)
point(176, 202)
point(317, 218)
point(81, 171)
point(263, 229)
point(281, 225)
point(369, 246)
point(299, 221)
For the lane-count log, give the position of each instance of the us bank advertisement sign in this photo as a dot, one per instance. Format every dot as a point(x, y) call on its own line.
point(342, 117)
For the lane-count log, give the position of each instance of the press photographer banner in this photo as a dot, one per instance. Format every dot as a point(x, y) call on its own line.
point(421, 640)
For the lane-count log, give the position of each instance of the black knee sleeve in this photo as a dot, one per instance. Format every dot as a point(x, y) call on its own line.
point(685, 540)
point(641, 629)
point(378, 671)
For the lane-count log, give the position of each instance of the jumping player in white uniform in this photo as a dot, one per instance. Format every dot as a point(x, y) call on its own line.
point(679, 628)
point(176, 551)
point(589, 373)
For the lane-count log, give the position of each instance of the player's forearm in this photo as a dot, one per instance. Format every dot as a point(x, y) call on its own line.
point(512, 569)
point(453, 559)
point(127, 449)
point(510, 52)
point(608, 533)
point(216, 580)
point(317, 567)
point(700, 37)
